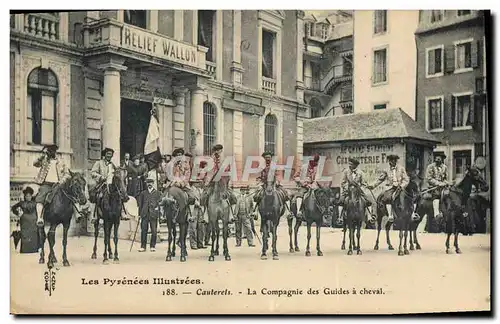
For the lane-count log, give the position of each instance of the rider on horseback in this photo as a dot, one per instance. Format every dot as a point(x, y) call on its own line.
point(353, 175)
point(209, 176)
point(53, 172)
point(306, 185)
point(396, 179)
point(263, 178)
point(102, 172)
point(437, 176)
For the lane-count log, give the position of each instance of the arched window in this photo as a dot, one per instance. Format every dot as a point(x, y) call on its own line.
point(316, 108)
point(209, 134)
point(41, 105)
point(270, 127)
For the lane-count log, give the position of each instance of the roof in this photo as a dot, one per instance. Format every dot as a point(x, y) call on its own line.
point(391, 123)
point(342, 30)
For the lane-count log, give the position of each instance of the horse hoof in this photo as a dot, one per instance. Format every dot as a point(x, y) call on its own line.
point(342, 247)
point(216, 253)
point(106, 262)
point(66, 263)
point(458, 251)
point(50, 265)
point(359, 252)
point(94, 256)
point(391, 248)
point(418, 247)
point(275, 257)
point(263, 257)
point(319, 253)
point(228, 258)
point(376, 248)
point(173, 254)
point(406, 252)
point(349, 252)
point(41, 261)
point(412, 248)
point(297, 249)
point(400, 253)
point(168, 258)
point(448, 251)
point(183, 258)
point(211, 258)
point(116, 260)
point(308, 253)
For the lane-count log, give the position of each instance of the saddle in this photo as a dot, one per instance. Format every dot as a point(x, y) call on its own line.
point(50, 195)
point(97, 192)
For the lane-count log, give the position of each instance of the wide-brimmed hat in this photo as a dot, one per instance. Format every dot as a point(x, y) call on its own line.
point(51, 148)
point(217, 147)
point(267, 153)
point(188, 154)
point(392, 157)
point(136, 157)
point(28, 190)
point(178, 151)
point(106, 150)
point(354, 161)
point(440, 154)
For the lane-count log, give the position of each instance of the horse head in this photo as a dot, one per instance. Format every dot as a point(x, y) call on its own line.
point(75, 186)
point(118, 183)
point(354, 192)
point(269, 188)
point(477, 179)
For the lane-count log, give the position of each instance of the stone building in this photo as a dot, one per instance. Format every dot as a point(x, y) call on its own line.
point(88, 80)
point(451, 84)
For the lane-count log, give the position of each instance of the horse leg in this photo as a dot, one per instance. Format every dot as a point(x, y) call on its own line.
point(52, 241)
point(182, 240)
point(406, 238)
point(212, 234)
point(217, 231)
point(174, 238)
point(41, 244)
point(107, 233)
point(400, 251)
point(379, 229)
point(417, 245)
point(225, 235)
point(455, 241)
point(290, 232)
point(65, 243)
point(275, 239)
point(344, 231)
point(411, 238)
point(115, 240)
point(351, 237)
point(96, 234)
point(449, 231)
point(308, 251)
point(388, 236)
point(358, 237)
point(295, 234)
point(318, 235)
point(265, 233)
point(110, 250)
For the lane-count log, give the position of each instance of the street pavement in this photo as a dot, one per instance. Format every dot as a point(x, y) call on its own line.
point(427, 280)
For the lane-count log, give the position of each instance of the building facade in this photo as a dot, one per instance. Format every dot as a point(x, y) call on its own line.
point(385, 60)
point(451, 84)
point(88, 80)
point(328, 68)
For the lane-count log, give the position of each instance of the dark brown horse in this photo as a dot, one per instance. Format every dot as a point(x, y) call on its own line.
point(315, 207)
point(177, 213)
point(110, 210)
point(218, 208)
point(271, 208)
point(170, 210)
point(404, 207)
point(60, 211)
point(453, 205)
point(355, 215)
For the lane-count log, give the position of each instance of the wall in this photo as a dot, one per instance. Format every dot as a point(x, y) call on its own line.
point(12, 106)
point(228, 132)
point(188, 20)
point(166, 22)
point(250, 141)
point(399, 91)
point(289, 55)
point(78, 125)
point(227, 44)
point(289, 135)
point(249, 57)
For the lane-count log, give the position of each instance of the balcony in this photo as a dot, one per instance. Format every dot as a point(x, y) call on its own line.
point(311, 83)
point(211, 68)
point(269, 85)
point(346, 95)
point(40, 25)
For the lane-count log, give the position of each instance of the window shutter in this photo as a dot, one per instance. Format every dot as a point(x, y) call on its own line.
point(474, 56)
point(449, 58)
point(432, 62)
point(473, 110)
point(453, 111)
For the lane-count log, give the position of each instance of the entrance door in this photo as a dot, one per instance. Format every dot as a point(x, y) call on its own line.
point(134, 123)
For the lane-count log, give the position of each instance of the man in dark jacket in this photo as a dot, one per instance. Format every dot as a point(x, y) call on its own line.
point(149, 210)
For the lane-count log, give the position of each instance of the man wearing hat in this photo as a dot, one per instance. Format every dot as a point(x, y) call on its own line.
point(264, 177)
point(52, 172)
point(134, 183)
point(396, 179)
point(149, 211)
point(353, 175)
point(436, 176)
point(243, 211)
point(306, 185)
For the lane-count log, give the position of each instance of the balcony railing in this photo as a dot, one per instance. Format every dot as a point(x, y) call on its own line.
point(312, 84)
point(269, 85)
point(346, 94)
point(211, 67)
point(42, 25)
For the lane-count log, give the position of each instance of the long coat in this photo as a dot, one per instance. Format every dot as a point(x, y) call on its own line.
point(44, 163)
point(27, 222)
point(400, 178)
point(134, 183)
point(149, 203)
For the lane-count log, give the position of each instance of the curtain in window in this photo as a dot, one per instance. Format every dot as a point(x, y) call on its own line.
point(267, 54)
point(380, 66)
point(435, 114)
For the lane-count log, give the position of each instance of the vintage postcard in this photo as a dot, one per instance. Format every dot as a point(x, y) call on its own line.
point(250, 161)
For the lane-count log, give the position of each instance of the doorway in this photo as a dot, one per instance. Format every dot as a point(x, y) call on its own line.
point(134, 124)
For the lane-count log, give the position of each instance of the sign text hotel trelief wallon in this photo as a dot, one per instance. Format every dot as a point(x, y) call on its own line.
point(158, 46)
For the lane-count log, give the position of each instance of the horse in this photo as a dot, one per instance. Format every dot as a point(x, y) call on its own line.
point(355, 215)
point(110, 211)
point(404, 208)
point(176, 213)
point(422, 208)
point(453, 204)
point(218, 208)
point(60, 211)
point(294, 229)
point(315, 206)
point(271, 208)
point(196, 227)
